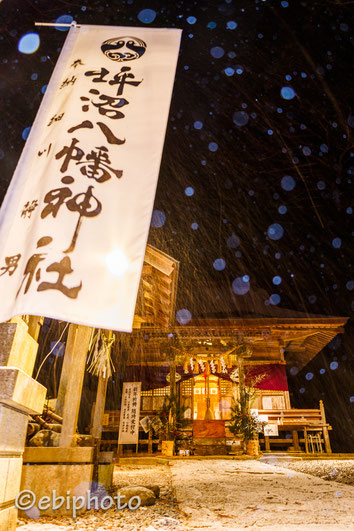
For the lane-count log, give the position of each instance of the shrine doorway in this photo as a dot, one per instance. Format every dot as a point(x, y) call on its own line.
point(212, 398)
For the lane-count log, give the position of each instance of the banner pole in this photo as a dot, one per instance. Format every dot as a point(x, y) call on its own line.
point(57, 25)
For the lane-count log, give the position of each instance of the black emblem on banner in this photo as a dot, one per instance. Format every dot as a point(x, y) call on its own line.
point(123, 48)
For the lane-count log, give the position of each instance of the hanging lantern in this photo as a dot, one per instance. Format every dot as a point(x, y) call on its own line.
point(229, 362)
point(219, 365)
point(196, 367)
point(185, 365)
point(207, 369)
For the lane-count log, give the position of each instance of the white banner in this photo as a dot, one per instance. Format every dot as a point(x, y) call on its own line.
point(130, 413)
point(75, 221)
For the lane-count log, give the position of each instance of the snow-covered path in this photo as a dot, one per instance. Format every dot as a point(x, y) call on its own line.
point(224, 494)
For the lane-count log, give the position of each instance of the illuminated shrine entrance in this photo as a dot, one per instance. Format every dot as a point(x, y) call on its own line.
point(212, 398)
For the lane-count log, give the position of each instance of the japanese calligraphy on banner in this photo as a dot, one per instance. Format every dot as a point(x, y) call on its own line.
point(75, 220)
point(129, 413)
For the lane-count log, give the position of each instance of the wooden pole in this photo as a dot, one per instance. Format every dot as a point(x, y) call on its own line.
point(150, 442)
point(71, 381)
point(96, 429)
point(34, 325)
point(325, 429)
point(173, 394)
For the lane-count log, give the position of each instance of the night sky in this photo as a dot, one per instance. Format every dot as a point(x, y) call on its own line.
point(254, 195)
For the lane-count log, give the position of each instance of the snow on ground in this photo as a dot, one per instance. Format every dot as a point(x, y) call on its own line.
point(332, 470)
point(217, 494)
point(223, 494)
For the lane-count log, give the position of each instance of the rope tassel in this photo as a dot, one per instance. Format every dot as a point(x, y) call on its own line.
point(99, 360)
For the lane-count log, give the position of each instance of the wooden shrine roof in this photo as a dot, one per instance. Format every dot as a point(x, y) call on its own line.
point(157, 291)
point(292, 340)
point(277, 334)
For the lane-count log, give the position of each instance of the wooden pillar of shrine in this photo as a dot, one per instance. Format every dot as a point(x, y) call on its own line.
point(71, 381)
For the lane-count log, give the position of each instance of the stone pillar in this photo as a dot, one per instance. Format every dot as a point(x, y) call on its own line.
point(20, 396)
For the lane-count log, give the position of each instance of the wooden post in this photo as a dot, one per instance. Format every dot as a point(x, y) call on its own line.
point(322, 411)
point(325, 429)
point(173, 393)
point(150, 442)
point(326, 440)
point(306, 441)
point(96, 429)
point(241, 375)
point(34, 325)
point(296, 441)
point(267, 443)
point(71, 381)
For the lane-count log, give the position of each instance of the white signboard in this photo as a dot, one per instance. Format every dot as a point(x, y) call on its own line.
point(75, 221)
point(271, 430)
point(130, 413)
point(267, 402)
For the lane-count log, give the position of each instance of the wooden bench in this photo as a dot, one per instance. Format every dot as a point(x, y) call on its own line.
point(295, 421)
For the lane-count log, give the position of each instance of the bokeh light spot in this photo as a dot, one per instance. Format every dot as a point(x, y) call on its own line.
point(26, 132)
point(29, 43)
point(147, 16)
point(240, 118)
point(63, 19)
point(231, 25)
point(240, 287)
point(274, 299)
point(275, 231)
point(219, 264)
point(217, 52)
point(183, 316)
point(189, 191)
point(288, 183)
point(287, 93)
point(158, 219)
point(306, 151)
point(233, 241)
point(350, 285)
point(213, 146)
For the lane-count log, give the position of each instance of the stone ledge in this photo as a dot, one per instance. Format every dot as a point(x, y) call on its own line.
point(20, 391)
point(17, 347)
point(8, 519)
point(13, 428)
point(70, 454)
